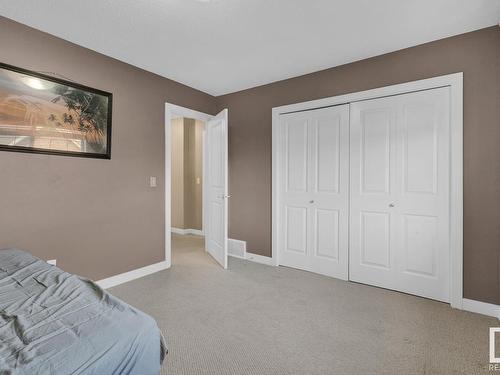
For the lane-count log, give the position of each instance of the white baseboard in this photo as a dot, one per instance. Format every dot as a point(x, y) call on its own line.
point(131, 275)
point(260, 259)
point(481, 307)
point(236, 248)
point(235, 256)
point(196, 232)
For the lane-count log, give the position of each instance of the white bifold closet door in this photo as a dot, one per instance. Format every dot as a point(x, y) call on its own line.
point(313, 177)
point(399, 215)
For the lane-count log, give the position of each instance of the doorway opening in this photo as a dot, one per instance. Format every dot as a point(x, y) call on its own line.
point(196, 183)
point(187, 176)
point(188, 240)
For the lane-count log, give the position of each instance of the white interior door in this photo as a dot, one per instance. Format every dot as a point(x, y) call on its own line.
point(399, 217)
point(216, 180)
point(313, 174)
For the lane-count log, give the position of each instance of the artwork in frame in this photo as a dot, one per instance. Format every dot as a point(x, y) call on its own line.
point(43, 114)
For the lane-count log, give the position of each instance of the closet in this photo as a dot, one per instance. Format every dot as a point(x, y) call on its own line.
point(364, 192)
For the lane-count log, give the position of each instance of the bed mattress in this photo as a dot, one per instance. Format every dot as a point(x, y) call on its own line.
point(53, 322)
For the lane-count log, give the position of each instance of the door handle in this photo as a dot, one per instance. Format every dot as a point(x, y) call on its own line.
point(311, 202)
point(224, 196)
point(391, 204)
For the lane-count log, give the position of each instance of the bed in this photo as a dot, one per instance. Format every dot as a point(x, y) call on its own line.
point(53, 322)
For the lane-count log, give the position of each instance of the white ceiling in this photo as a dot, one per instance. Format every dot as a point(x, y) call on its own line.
point(222, 46)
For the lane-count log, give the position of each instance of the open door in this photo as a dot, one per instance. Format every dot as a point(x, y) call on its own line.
point(216, 182)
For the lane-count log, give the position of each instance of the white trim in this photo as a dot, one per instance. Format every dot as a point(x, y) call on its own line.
point(174, 111)
point(236, 247)
point(132, 275)
point(177, 111)
point(195, 232)
point(260, 259)
point(455, 83)
point(178, 231)
point(484, 308)
point(235, 256)
point(456, 190)
point(274, 186)
point(454, 80)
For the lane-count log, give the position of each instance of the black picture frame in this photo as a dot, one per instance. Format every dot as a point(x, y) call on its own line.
point(73, 85)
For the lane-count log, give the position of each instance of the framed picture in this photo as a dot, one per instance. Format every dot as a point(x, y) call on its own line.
point(43, 114)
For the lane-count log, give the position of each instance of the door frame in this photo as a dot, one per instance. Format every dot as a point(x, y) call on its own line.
point(455, 83)
point(173, 111)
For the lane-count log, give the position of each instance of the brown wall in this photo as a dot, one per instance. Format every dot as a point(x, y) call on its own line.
point(97, 217)
point(73, 209)
point(477, 54)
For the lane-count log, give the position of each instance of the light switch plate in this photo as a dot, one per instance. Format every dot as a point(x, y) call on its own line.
point(152, 181)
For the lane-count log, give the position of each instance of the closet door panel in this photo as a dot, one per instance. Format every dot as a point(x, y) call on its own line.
point(314, 170)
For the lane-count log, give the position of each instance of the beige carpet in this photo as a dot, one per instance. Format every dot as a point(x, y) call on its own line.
point(256, 319)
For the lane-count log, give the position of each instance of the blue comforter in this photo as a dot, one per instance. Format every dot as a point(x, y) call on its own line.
point(52, 322)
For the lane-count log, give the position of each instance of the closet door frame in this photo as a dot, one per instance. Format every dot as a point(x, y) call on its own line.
point(455, 83)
